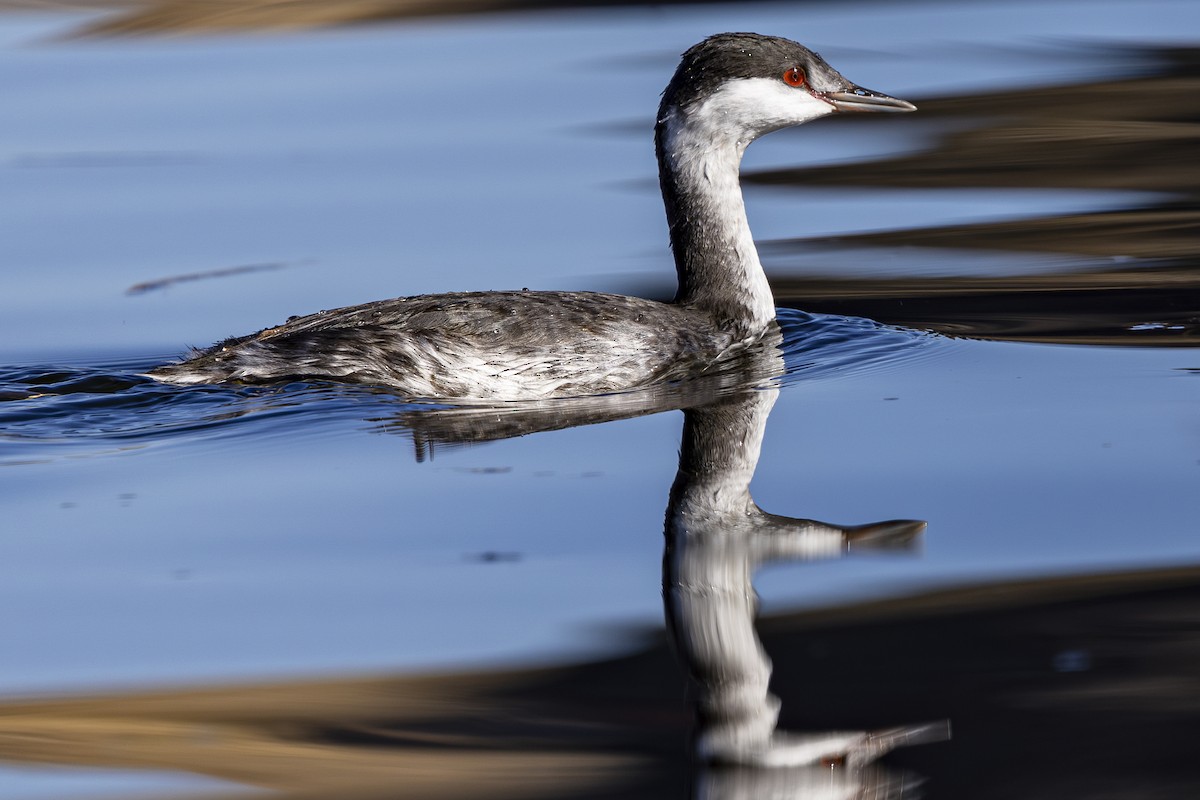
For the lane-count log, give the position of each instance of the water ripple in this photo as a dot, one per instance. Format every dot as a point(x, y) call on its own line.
point(830, 345)
point(114, 402)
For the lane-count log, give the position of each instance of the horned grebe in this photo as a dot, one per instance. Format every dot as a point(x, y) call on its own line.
point(519, 345)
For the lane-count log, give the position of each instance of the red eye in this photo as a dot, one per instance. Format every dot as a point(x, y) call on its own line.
point(794, 77)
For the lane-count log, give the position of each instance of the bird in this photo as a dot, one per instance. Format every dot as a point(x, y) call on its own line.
point(490, 347)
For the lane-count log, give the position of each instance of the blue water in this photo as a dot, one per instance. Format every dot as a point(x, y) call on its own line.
point(314, 533)
point(54, 783)
point(160, 535)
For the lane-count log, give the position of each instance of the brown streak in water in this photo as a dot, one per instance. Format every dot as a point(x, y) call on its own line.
point(191, 17)
point(1150, 307)
point(618, 727)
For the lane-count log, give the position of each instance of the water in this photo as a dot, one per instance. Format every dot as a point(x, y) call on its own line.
point(97, 472)
point(37, 783)
point(158, 536)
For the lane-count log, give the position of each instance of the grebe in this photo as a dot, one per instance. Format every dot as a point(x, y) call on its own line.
point(519, 345)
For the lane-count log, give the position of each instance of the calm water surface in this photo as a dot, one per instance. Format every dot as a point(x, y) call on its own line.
point(158, 535)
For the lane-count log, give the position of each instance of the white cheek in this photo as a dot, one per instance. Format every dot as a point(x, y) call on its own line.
point(750, 107)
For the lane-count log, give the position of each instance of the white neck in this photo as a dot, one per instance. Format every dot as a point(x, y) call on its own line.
point(700, 152)
point(714, 249)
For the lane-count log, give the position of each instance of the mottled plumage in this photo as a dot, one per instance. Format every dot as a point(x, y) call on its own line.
point(502, 346)
point(478, 345)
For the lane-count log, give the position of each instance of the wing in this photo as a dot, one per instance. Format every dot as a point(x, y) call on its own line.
point(482, 345)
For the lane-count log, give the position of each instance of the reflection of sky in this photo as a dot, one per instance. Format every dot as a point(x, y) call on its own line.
point(55, 783)
point(848, 211)
point(458, 154)
point(360, 558)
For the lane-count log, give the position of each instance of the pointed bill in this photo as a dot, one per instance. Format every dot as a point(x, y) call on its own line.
point(857, 98)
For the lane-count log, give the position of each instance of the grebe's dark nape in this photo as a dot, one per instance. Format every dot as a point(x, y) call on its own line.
point(518, 345)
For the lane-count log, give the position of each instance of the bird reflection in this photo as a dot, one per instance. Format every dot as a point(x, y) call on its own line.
point(715, 538)
point(812, 782)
